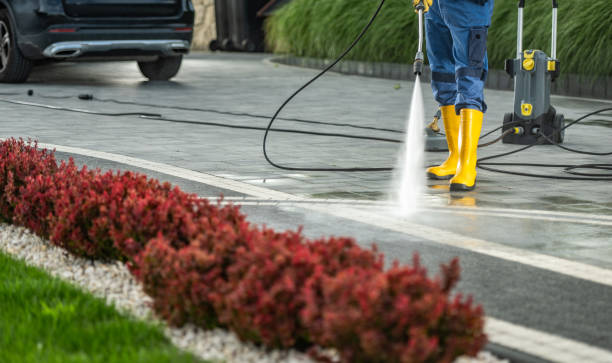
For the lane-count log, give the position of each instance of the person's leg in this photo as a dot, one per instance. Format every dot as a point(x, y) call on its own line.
point(468, 23)
point(444, 86)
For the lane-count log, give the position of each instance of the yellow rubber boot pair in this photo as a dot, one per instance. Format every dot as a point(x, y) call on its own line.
point(469, 134)
point(451, 127)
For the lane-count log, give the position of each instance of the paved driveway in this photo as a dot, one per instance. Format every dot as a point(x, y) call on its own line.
point(536, 253)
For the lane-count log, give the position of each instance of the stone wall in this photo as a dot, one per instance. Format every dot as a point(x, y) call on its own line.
point(204, 29)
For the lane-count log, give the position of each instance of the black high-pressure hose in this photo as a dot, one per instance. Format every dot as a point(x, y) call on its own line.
point(290, 98)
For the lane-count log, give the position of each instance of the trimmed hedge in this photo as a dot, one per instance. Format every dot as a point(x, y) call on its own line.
point(204, 264)
point(323, 29)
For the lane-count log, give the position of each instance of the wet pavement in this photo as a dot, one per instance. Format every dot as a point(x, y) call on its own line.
point(512, 233)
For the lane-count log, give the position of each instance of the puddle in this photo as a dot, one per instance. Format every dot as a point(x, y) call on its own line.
point(350, 195)
point(496, 192)
point(563, 200)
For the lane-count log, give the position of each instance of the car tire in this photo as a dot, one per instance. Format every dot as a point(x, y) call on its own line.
point(162, 69)
point(14, 67)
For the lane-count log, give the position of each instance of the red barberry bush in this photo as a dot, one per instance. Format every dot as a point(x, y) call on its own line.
point(204, 264)
point(188, 282)
point(395, 316)
point(20, 160)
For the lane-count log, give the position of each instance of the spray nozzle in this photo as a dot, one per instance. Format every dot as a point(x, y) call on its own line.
point(419, 58)
point(418, 63)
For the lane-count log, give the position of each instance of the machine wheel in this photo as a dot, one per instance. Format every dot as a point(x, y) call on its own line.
point(14, 67)
point(248, 46)
point(507, 120)
point(227, 45)
point(559, 123)
point(162, 69)
point(214, 45)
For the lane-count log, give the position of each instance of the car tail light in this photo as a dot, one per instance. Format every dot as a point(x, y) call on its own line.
point(62, 30)
point(185, 29)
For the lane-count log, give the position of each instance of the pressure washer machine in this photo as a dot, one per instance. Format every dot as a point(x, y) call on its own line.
point(534, 119)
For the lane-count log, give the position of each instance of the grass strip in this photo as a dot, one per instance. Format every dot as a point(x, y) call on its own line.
point(322, 29)
point(43, 319)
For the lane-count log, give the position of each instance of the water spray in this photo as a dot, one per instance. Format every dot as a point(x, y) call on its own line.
point(411, 182)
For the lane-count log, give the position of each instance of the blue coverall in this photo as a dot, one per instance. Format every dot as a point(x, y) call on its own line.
point(456, 32)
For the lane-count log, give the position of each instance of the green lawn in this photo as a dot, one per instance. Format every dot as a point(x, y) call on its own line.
point(43, 319)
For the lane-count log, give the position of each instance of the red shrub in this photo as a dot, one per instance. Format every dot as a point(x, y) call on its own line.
point(35, 206)
point(180, 282)
point(266, 281)
point(188, 282)
point(18, 161)
point(147, 211)
point(80, 222)
point(142, 209)
point(394, 316)
point(262, 297)
point(204, 264)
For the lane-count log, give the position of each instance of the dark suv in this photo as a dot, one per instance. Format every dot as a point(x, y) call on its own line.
point(155, 33)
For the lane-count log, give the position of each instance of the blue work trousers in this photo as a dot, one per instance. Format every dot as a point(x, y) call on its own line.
point(456, 33)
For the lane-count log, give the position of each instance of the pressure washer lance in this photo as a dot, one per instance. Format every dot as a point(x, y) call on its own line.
point(434, 139)
point(419, 59)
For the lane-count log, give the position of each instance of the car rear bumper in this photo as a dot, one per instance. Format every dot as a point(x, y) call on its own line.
point(82, 41)
point(41, 32)
point(73, 49)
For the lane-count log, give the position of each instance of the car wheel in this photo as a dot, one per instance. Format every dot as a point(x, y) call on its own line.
point(162, 69)
point(14, 67)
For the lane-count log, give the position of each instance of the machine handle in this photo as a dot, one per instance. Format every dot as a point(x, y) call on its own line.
point(522, 4)
point(519, 36)
point(553, 44)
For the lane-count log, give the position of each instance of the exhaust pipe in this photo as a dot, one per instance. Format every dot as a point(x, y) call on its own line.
point(61, 51)
point(67, 53)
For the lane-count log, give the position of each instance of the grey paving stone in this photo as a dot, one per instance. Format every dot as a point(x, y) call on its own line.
point(245, 83)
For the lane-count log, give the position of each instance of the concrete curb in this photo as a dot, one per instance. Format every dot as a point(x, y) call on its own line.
point(514, 356)
point(567, 85)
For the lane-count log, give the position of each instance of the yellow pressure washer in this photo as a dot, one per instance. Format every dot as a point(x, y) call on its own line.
point(534, 119)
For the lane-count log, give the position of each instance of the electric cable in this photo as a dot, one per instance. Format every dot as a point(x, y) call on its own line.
point(68, 109)
point(246, 114)
point(159, 117)
point(506, 133)
point(253, 115)
point(290, 131)
point(91, 97)
point(570, 169)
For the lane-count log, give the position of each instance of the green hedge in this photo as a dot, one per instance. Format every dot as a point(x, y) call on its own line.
point(323, 28)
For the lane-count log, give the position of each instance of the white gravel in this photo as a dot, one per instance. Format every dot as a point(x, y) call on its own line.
point(114, 283)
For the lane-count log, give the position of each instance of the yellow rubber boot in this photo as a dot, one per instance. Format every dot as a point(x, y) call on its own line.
point(451, 128)
point(471, 125)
